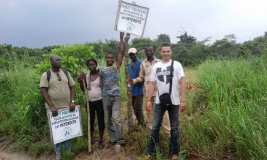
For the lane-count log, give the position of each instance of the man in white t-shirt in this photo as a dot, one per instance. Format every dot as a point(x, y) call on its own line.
point(164, 74)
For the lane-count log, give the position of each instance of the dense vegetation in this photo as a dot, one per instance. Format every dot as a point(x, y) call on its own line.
point(188, 50)
point(229, 110)
point(226, 113)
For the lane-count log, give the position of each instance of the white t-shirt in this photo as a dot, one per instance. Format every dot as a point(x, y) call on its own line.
point(161, 75)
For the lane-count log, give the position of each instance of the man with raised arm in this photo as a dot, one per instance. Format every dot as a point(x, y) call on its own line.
point(168, 77)
point(111, 92)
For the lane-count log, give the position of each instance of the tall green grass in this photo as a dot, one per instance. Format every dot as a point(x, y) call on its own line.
point(228, 117)
point(21, 107)
point(229, 110)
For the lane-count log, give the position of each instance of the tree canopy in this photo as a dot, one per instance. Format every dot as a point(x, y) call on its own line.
point(188, 49)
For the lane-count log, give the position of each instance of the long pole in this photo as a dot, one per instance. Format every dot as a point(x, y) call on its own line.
point(88, 115)
point(129, 94)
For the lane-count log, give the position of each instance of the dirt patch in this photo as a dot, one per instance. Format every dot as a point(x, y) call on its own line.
point(6, 155)
point(7, 152)
point(104, 154)
point(108, 153)
point(14, 156)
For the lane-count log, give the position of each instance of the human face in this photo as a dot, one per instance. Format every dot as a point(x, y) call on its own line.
point(55, 62)
point(149, 52)
point(92, 66)
point(132, 57)
point(109, 59)
point(166, 53)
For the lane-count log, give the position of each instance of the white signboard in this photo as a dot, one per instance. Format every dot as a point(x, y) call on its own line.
point(65, 126)
point(131, 18)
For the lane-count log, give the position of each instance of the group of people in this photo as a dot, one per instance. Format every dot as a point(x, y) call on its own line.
point(160, 81)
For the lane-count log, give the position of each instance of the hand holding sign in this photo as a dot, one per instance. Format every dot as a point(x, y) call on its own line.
point(66, 125)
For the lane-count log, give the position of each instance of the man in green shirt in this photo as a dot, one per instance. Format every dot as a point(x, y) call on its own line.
point(57, 88)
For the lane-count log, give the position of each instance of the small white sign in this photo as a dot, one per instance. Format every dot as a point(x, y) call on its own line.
point(131, 18)
point(65, 126)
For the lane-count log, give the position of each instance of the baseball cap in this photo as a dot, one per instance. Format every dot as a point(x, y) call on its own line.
point(132, 50)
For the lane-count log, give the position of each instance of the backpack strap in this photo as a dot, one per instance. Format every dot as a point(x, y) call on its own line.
point(171, 76)
point(88, 81)
point(68, 76)
point(48, 75)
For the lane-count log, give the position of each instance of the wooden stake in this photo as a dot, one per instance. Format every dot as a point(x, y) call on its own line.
point(88, 115)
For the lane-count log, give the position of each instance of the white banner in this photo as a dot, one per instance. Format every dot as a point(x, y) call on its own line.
point(65, 126)
point(131, 18)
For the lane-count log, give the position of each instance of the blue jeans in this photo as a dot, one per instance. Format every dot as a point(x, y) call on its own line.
point(174, 145)
point(66, 144)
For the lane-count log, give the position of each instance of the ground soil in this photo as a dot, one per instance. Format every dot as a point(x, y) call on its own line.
point(108, 153)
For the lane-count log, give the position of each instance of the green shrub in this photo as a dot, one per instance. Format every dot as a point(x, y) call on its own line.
point(73, 58)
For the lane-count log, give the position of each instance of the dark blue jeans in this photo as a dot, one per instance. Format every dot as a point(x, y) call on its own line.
point(174, 145)
point(67, 147)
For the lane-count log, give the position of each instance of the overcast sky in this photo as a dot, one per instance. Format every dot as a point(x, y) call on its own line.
point(38, 23)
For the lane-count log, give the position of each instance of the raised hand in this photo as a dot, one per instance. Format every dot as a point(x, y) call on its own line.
point(127, 37)
point(81, 77)
point(121, 36)
point(72, 107)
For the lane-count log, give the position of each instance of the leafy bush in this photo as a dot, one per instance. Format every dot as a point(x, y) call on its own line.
point(73, 57)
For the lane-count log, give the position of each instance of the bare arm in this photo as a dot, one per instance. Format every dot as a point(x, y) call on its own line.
point(82, 87)
point(182, 93)
point(82, 80)
point(72, 93)
point(151, 89)
point(141, 76)
point(44, 93)
point(123, 46)
point(149, 102)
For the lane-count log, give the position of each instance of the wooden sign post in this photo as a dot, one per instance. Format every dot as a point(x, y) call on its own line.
point(129, 93)
point(131, 18)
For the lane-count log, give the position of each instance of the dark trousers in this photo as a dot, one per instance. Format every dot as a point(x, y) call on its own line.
point(173, 111)
point(96, 108)
point(137, 102)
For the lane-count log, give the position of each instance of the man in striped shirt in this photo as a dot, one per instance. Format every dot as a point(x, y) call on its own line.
point(144, 76)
